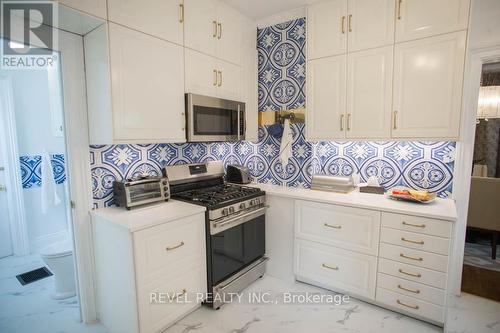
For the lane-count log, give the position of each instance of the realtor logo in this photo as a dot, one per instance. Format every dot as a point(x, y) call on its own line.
point(28, 36)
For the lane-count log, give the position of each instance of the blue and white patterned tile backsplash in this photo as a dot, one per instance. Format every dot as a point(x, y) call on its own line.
point(421, 165)
point(31, 170)
point(282, 66)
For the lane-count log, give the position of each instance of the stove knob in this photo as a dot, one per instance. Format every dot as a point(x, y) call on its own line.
point(231, 209)
point(243, 206)
point(225, 211)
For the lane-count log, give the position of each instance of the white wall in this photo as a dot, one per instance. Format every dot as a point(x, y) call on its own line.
point(39, 115)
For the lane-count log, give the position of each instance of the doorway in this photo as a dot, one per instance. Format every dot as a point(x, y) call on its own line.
point(481, 269)
point(46, 189)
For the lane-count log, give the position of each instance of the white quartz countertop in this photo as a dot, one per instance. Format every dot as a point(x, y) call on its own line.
point(147, 216)
point(443, 209)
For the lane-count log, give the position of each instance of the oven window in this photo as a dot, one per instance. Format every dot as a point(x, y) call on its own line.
point(237, 247)
point(214, 121)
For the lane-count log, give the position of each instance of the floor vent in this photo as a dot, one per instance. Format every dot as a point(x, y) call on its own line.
point(34, 275)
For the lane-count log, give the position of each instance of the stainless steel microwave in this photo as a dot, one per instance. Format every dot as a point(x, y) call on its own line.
point(214, 119)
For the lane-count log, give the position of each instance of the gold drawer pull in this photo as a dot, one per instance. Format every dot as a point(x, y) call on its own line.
point(416, 307)
point(412, 241)
point(176, 297)
point(333, 226)
point(414, 225)
point(416, 291)
point(335, 268)
point(410, 274)
point(174, 247)
point(410, 257)
point(342, 25)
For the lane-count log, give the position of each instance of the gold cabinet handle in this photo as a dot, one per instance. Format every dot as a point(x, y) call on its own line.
point(176, 297)
point(407, 305)
point(332, 226)
point(219, 29)
point(342, 25)
point(350, 23)
point(214, 24)
point(410, 257)
point(181, 13)
point(335, 268)
point(415, 291)
point(342, 122)
point(421, 242)
point(399, 8)
point(414, 225)
point(410, 274)
point(348, 121)
point(215, 78)
point(220, 78)
point(395, 120)
point(174, 247)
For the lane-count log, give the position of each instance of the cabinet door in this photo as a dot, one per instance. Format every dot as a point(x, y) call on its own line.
point(230, 82)
point(200, 25)
point(326, 28)
point(369, 93)
point(229, 34)
point(147, 80)
point(160, 18)
point(427, 96)
point(201, 73)
point(424, 18)
point(370, 23)
point(326, 93)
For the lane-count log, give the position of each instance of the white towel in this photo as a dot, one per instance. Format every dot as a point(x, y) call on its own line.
point(286, 143)
point(49, 197)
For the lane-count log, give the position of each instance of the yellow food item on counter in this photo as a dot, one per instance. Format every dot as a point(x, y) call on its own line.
point(420, 195)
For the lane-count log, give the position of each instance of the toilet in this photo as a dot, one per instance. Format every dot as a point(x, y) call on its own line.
point(59, 259)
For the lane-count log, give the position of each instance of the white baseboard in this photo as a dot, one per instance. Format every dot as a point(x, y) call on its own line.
point(46, 240)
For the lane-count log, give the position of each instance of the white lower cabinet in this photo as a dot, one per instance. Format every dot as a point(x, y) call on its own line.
point(148, 279)
point(335, 268)
point(393, 260)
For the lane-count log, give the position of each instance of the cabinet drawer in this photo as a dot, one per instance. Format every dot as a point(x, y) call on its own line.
point(417, 224)
point(345, 227)
point(412, 273)
point(179, 298)
point(415, 241)
point(411, 289)
point(336, 268)
point(159, 250)
point(414, 257)
point(410, 305)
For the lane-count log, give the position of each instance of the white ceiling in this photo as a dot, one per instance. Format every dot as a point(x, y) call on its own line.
point(259, 9)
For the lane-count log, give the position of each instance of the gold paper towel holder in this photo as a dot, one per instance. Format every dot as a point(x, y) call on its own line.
point(296, 116)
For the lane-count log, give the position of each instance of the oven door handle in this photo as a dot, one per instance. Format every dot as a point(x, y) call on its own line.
point(216, 227)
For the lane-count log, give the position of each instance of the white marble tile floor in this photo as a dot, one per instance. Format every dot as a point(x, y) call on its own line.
point(29, 308)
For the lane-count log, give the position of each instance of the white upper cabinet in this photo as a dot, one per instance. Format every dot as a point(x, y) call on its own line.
point(201, 73)
point(160, 18)
point(369, 93)
point(427, 98)
point(370, 23)
point(213, 28)
point(249, 93)
point(147, 83)
point(200, 25)
point(326, 103)
point(484, 24)
point(230, 80)
point(424, 18)
point(92, 7)
point(326, 28)
point(229, 34)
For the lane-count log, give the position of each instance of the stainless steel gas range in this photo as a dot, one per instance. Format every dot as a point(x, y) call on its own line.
point(235, 226)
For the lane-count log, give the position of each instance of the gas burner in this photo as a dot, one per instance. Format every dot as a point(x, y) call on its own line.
point(215, 195)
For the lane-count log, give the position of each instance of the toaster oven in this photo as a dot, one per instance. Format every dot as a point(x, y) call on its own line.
point(130, 193)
